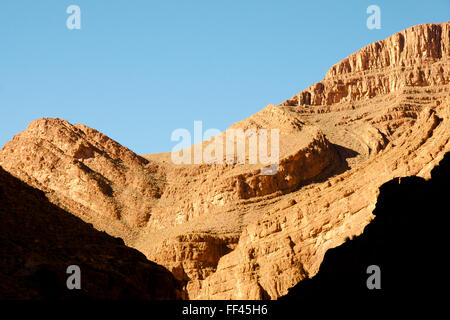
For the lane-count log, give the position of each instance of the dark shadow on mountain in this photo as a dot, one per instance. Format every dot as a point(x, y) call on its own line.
point(337, 166)
point(344, 152)
point(404, 240)
point(39, 241)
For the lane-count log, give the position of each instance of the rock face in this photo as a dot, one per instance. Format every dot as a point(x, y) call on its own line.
point(417, 56)
point(38, 241)
point(229, 232)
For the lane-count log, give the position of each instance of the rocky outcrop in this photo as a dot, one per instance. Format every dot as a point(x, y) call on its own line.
point(39, 241)
point(417, 56)
point(225, 230)
point(86, 173)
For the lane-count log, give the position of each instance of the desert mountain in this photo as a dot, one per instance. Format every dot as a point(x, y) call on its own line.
point(229, 232)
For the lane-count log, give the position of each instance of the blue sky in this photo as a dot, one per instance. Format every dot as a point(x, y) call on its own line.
point(137, 70)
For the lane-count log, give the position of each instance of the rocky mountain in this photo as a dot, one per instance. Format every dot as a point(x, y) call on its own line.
point(225, 230)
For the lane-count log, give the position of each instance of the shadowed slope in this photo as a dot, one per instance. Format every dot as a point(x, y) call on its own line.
point(38, 241)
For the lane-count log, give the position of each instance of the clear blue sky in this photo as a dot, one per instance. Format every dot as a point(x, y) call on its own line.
point(137, 70)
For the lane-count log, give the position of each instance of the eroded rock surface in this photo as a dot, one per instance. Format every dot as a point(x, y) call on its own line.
point(229, 232)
